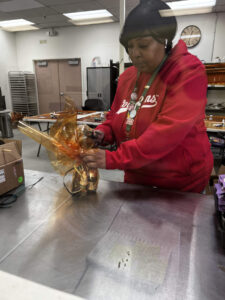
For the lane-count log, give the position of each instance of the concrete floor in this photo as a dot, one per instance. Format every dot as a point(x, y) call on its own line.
point(42, 163)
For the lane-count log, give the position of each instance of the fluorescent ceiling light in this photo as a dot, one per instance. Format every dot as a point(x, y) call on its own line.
point(91, 14)
point(94, 21)
point(184, 12)
point(90, 17)
point(21, 28)
point(188, 7)
point(14, 23)
point(191, 4)
point(17, 25)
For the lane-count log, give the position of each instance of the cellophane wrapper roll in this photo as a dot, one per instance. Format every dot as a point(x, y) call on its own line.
point(64, 143)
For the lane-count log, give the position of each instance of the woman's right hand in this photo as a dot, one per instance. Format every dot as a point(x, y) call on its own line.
point(97, 136)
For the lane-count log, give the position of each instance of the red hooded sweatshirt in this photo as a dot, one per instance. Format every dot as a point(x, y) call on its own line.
point(168, 146)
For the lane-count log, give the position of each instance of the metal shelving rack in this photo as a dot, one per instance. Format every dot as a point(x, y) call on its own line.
point(23, 93)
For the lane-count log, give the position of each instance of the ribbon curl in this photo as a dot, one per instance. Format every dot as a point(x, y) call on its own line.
point(64, 144)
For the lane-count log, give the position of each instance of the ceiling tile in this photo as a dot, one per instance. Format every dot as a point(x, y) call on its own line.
point(48, 13)
point(53, 25)
point(132, 4)
point(82, 6)
point(58, 2)
point(115, 12)
point(4, 16)
point(35, 12)
point(220, 2)
point(219, 8)
point(109, 3)
point(116, 3)
point(48, 19)
point(15, 5)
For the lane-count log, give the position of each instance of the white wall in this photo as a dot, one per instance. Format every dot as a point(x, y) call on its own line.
point(87, 42)
point(212, 43)
point(206, 23)
point(219, 47)
point(8, 62)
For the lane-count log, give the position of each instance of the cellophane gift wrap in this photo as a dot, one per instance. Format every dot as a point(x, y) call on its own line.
point(64, 143)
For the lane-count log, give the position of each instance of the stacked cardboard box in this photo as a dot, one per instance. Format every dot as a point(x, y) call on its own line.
point(11, 165)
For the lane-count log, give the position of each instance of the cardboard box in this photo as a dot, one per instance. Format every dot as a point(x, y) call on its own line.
point(11, 165)
point(221, 170)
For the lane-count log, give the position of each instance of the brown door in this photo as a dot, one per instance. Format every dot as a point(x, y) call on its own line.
point(70, 82)
point(48, 86)
point(55, 80)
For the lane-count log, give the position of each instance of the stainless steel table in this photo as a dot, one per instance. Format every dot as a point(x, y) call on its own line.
point(124, 242)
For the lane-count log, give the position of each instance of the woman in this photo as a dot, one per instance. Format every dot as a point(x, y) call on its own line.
point(157, 117)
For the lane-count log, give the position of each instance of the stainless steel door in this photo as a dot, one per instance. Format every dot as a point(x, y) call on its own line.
point(98, 84)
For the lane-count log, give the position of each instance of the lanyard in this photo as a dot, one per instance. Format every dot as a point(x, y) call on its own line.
point(134, 106)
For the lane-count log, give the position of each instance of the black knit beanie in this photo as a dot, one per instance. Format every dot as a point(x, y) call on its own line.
point(145, 19)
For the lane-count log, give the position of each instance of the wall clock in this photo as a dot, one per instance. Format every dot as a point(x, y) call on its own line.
point(191, 35)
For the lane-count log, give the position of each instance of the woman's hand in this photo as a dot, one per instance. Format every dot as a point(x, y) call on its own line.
point(98, 136)
point(94, 158)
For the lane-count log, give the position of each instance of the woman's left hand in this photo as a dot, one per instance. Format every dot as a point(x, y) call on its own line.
point(94, 158)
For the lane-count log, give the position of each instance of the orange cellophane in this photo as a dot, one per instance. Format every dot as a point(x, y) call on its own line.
point(64, 144)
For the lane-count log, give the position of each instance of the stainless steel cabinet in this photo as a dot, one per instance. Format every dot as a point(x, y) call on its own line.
point(98, 84)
